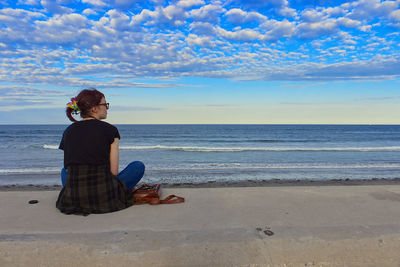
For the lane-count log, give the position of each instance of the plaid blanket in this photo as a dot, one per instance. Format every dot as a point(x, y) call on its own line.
point(93, 189)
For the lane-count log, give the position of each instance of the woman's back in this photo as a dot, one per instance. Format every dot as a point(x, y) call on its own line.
point(90, 187)
point(88, 142)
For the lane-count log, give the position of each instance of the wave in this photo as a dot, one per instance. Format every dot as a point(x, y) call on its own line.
point(224, 166)
point(50, 146)
point(242, 149)
point(280, 141)
point(27, 171)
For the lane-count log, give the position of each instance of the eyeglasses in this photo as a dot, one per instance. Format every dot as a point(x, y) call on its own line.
point(107, 105)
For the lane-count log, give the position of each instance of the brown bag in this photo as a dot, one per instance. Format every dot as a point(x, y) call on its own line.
point(150, 193)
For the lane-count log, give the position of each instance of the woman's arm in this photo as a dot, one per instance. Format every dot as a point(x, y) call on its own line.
point(114, 157)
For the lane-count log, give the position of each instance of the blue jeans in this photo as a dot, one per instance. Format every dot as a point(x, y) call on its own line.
point(131, 175)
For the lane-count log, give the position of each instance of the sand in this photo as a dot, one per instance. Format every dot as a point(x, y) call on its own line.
point(335, 225)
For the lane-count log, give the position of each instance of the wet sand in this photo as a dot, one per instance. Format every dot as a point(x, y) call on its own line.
point(247, 183)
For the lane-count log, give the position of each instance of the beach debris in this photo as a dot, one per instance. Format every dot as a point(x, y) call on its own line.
point(33, 201)
point(267, 231)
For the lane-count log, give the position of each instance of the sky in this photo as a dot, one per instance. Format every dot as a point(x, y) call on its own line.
point(198, 61)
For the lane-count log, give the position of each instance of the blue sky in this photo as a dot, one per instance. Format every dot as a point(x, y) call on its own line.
point(198, 61)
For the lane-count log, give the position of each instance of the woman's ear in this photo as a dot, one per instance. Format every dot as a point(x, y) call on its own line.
point(93, 110)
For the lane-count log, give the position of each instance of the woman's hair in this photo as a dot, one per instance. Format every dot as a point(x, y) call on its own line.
point(85, 100)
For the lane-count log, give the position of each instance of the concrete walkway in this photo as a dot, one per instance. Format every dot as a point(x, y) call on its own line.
point(247, 226)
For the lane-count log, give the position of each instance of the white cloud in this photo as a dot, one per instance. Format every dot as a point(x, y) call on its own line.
point(312, 15)
point(189, 3)
point(287, 12)
point(202, 28)
point(335, 11)
point(97, 3)
point(118, 20)
point(89, 12)
point(369, 9)
point(366, 28)
point(378, 67)
point(274, 30)
point(238, 16)
point(144, 15)
point(73, 20)
point(245, 35)
point(53, 6)
point(23, 91)
point(194, 40)
point(158, 2)
point(171, 15)
point(350, 23)
point(347, 38)
point(17, 25)
point(22, 97)
point(26, 15)
point(29, 2)
point(282, 8)
point(315, 29)
point(395, 15)
point(321, 22)
point(207, 13)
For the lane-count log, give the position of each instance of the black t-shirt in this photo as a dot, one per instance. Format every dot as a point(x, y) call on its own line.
point(88, 142)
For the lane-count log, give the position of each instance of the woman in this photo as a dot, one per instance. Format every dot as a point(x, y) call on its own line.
point(90, 178)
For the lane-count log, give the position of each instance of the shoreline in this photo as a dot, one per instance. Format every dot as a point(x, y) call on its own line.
point(247, 183)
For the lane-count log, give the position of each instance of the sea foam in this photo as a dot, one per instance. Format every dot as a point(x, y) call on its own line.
point(242, 149)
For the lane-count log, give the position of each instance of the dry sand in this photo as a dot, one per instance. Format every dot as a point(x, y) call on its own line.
point(232, 226)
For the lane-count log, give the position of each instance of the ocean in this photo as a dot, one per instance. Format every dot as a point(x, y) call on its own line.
point(216, 153)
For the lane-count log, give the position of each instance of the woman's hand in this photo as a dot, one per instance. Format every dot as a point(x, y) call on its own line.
point(114, 157)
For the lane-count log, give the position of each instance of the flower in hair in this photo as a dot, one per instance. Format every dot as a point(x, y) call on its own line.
point(73, 105)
